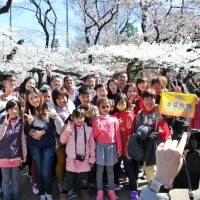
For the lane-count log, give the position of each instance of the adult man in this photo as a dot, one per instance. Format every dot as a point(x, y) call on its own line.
point(122, 80)
point(69, 85)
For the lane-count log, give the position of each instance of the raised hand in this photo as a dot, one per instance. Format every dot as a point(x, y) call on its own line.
point(176, 87)
point(48, 70)
point(6, 121)
point(52, 114)
point(29, 117)
point(169, 159)
point(69, 124)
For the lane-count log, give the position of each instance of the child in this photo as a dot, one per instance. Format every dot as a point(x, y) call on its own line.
point(12, 149)
point(150, 116)
point(126, 122)
point(85, 99)
point(80, 150)
point(108, 147)
point(101, 92)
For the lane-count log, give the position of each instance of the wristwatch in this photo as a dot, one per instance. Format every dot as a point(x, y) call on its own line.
point(158, 187)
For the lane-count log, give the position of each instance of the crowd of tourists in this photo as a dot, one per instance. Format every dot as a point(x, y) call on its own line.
point(79, 134)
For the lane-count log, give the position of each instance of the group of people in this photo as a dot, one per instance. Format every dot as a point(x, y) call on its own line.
point(77, 133)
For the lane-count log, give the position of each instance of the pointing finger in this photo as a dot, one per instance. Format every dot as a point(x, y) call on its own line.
point(182, 143)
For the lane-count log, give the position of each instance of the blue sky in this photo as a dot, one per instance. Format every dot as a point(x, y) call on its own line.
point(27, 26)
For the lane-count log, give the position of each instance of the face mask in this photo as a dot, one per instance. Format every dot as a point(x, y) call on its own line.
point(121, 107)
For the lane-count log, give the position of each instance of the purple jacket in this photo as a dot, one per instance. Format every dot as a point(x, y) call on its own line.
point(11, 140)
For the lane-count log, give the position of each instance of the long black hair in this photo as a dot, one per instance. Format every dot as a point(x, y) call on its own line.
point(22, 87)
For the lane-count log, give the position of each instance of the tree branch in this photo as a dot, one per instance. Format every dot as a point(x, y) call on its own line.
point(6, 8)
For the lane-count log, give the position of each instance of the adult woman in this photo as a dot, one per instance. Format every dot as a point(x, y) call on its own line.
point(8, 91)
point(28, 83)
point(142, 86)
point(64, 107)
point(40, 126)
point(113, 88)
point(131, 92)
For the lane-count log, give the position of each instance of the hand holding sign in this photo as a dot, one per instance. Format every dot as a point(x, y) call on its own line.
point(29, 117)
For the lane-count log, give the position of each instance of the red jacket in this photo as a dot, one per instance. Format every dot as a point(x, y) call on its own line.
point(126, 126)
point(153, 118)
point(195, 122)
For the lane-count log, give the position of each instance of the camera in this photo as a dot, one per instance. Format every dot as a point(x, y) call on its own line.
point(80, 157)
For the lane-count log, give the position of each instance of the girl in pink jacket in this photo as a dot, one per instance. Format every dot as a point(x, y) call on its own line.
point(108, 147)
point(80, 150)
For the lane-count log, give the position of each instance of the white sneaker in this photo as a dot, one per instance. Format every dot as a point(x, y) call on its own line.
point(35, 189)
point(49, 197)
point(42, 197)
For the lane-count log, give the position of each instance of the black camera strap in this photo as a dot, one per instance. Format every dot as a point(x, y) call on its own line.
point(190, 193)
point(75, 128)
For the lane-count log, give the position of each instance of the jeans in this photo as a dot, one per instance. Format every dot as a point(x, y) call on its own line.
point(131, 169)
point(43, 160)
point(10, 174)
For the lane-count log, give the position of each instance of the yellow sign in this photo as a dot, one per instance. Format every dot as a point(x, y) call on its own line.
point(178, 104)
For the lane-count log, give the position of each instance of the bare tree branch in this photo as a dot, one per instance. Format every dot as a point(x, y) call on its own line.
point(44, 20)
point(6, 8)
